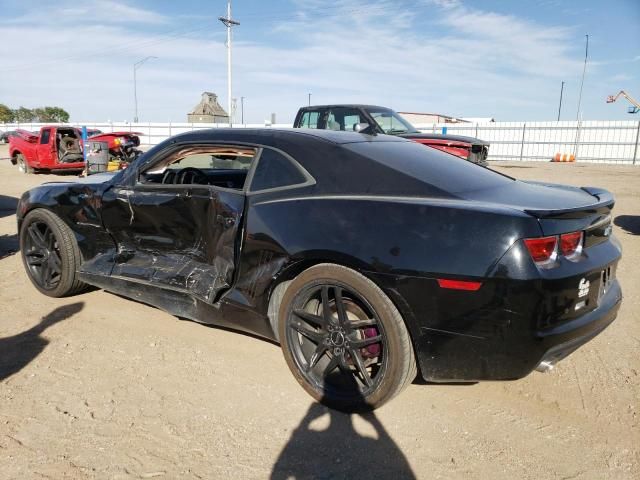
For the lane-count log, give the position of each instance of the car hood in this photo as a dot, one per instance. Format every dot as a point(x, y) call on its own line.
point(94, 179)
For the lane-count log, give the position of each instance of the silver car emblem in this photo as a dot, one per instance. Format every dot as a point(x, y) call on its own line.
point(583, 288)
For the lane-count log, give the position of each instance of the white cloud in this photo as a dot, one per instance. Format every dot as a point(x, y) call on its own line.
point(438, 56)
point(65, 13)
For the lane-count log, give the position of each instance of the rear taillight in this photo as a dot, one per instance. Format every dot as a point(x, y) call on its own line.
point(545, 250)
point(571, 244)
point(542, 250)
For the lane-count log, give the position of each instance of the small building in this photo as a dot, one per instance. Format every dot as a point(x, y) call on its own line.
point(417, 118)
point(208, 110)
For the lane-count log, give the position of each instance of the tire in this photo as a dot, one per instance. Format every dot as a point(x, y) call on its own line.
point(344, 340)
point(50, 254)
point(23, 165)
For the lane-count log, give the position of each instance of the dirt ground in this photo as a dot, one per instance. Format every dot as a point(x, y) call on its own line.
point(97, 386)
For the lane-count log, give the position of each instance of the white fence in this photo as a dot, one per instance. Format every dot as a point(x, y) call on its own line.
point(589, 141)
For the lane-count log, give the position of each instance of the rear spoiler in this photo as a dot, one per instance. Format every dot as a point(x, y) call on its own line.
point(604, 205)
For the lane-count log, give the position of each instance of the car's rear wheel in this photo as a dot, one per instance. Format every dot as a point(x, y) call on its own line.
point(50, 254)
point(344, 340)
point(23, 166)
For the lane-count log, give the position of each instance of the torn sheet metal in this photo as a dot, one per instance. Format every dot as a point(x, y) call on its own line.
point(180, 238)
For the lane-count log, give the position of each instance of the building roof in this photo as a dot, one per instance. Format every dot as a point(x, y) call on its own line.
point(209, 106)
point(479, 119)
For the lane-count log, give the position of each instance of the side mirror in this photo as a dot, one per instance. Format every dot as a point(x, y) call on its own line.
point(363, 128)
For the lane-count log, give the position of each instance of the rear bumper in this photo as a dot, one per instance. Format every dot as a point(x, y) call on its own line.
point(515, 350)
point(567, 338)
point(504, 330)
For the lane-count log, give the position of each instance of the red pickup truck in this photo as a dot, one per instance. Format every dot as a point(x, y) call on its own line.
point(60, 148)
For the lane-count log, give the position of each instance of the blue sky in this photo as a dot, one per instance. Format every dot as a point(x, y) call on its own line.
point(467, 58)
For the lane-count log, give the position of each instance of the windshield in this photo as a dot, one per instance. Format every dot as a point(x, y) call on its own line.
point(391, 122)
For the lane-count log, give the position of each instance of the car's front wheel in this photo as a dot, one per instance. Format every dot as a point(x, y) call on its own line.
point(344, 340)
point(50, 254)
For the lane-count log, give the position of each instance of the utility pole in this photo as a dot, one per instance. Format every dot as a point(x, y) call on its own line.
point(309, 99)
point(584, 71)
point(136, 66)
point(578, 114)
point(229, 23)
point(242, 110)
point(560, 105)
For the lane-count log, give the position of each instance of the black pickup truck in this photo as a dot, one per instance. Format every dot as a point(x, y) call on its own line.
point(381, 120)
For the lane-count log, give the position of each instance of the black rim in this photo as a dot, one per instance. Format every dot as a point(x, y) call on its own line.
point(337, 340)
point(42, 255)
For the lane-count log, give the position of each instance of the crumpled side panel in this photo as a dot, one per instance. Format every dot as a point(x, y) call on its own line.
point(182, 239)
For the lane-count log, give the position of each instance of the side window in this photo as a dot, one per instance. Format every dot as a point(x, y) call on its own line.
point(213, 161)
point(343, 119)
point(215, 165)
point(309, 119)
point(275, 170)
point(44, 136)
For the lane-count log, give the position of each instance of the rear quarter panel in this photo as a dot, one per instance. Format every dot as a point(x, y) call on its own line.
point(379, 237)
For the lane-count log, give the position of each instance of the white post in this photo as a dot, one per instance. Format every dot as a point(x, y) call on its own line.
point(229, 64)
point(228, 22)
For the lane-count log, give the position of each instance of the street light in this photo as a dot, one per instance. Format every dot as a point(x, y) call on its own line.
point(229, 23)
point(136, 66)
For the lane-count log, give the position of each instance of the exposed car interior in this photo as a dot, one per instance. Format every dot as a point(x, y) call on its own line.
point(221, 166)
point(68, 146)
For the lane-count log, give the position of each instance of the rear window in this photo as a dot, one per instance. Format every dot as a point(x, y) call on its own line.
point(274, 170)
point(443, 171)
point(309, 119)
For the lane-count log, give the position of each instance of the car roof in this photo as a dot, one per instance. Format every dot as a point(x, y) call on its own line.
point(270, 136)
point(347, 105)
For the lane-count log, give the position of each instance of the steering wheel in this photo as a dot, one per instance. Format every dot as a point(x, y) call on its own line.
point(190, 175)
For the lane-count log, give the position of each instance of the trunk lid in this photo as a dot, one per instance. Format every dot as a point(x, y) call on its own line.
point(558, 208)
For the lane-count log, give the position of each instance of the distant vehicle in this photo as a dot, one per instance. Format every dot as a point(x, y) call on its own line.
point(5, 136)
point(382, 120)
point(60, 148)
point(364, 256)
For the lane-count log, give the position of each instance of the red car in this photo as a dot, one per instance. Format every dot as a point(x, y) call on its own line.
point(60, 148)
point(382, 120)
point(469, 148)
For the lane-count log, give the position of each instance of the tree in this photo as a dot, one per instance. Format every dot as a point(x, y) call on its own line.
point(56, 114)
point(6, 114)
point(51, 114)
point(23, 114)
point(39, 115)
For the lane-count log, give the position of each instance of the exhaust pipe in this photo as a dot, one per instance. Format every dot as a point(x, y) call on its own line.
point(544, 366)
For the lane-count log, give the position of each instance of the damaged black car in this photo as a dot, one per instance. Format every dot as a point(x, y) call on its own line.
point(368, 258)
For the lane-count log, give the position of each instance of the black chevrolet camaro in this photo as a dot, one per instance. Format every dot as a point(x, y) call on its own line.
point(367, 258)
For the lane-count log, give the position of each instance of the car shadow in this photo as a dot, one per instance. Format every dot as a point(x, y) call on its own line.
point(629, 223)
point(8, 245)
point(339, 450)
point(18, 351)
point(8, 206)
